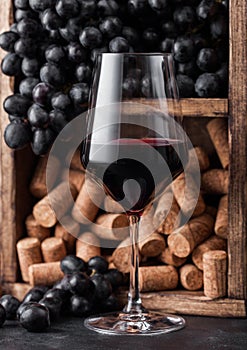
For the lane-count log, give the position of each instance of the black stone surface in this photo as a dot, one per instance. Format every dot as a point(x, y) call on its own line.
point(201, 333)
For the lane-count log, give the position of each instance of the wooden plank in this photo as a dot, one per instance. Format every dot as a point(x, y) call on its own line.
point(190, 303)
point(194, 107)
point(237, 247)
point(7, 173)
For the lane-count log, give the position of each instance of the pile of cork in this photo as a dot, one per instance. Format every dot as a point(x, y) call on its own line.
point(174, 255)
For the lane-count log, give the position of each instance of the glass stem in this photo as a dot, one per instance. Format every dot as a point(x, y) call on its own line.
point(134, 305)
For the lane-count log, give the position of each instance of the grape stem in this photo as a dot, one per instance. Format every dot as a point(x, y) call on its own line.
point(134, 305)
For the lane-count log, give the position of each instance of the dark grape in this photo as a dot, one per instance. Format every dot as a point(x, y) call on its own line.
point(52, 74)
point(115, 277)
point(80, 284)
point(185, 85)
point(206, 9)
point(207, 85)
point(11, 65)
point(20, 14)
point(107, 8)
point(183, 49)
point(21, 4)
point(207, 60)
point(26, 48)
point(38, 116)
point(63, 284)
point(55, 54)
point(67, 8)
point(219, 27)
point(169, 29)
point(138, 7)
point(30, 67)
point(76, 53)
point(110, 304)
point(119, 44)
point(41, 5)
point(72, 29)
point(88, 8)
point(34, 295)
point(51, 20)
point(131, 35)
point(79, 93)
point(166, 45)
point(58, 293)
point(223, 73)
point(158, 5)
point(53, 305)
point(17, 105)
point(17, 134)
point(103, 288)
point(42, 94)
point(35, 318)
point(10, 305)
point(22, 307)
point(83, 73)
point(72, 264)
point(97, 51)
point(150, 38)
point(184, 18)
point(58, 120)
point(111, 27)
point(8, 40)
point(146, 86)
point(28, 28)
point(80, 306)
point(60, 101)
point(90, 37)
point(188, 68)
point(42, 140)
point(98, 263)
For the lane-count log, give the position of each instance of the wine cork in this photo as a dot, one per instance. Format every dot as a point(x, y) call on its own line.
point(167, 214)
point(88, 246)
point(43, 211)
point(212, 243)
point(191, 277)
point(168, 258)
point(221, 223)
point(87, 203)
point(185, 191)
point(68, 237)
point(19, 290)
point(215, 273)
point(111, 206)
point(38, 186)
point(75, 177)
point(35, 230)
point(197, 157)
point(111, 226)
point(152, 245)
point(215, 181)
point(218, 132)
point(29, 253)
point(157, 278)
point(184, 240)
point(53, 249)
point(122, 255)
point(45, 274)
point(211, 211)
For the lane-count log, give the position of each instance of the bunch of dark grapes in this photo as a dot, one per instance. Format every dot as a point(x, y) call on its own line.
point(86, 289)
point(52, 46)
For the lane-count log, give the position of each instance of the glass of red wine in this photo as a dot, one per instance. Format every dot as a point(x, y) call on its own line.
point(133, 148)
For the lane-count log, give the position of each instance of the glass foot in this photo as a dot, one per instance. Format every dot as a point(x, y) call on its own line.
point(144, 324)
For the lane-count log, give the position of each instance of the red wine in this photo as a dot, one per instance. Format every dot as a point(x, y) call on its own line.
point(134, 171)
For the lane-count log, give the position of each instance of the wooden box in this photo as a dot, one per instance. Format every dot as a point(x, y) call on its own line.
point(17, 167)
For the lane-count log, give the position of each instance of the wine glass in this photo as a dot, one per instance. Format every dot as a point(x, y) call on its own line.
point(133, 148)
